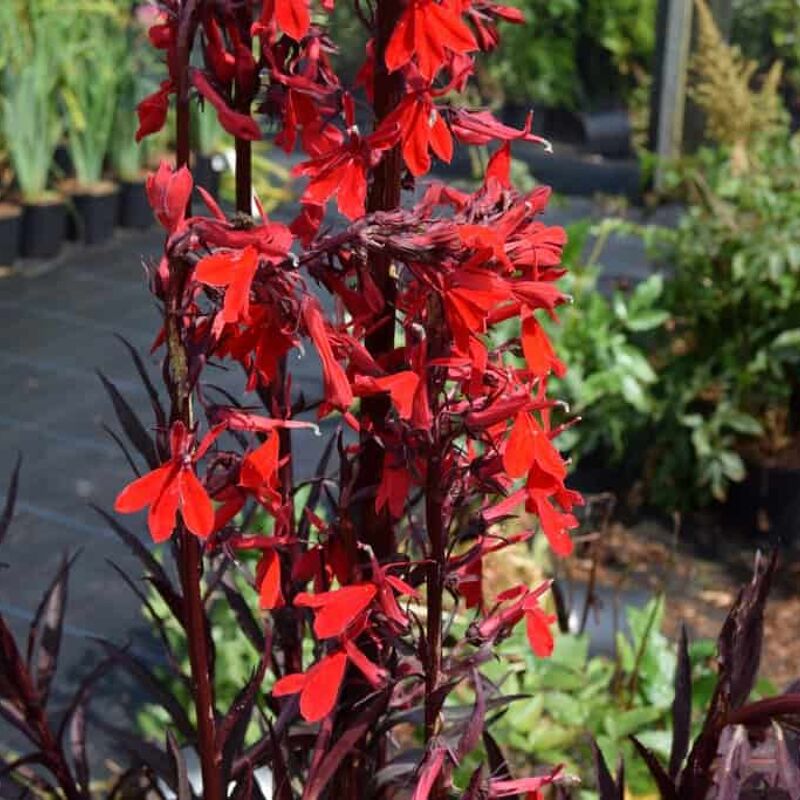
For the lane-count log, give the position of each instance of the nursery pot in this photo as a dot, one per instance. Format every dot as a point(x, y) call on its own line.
point(767, 502)
point(94, 211)
point(134, 210)
point(44, 226)
point(206, 173)
point(10, 225)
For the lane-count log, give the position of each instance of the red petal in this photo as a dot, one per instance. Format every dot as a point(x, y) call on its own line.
point(216, 269)
point(161, 518)
point(196, 507)
point(352, 192)
point(499, 166)
point(322, 687)
point(540, 637)
point(293, 17)
point(337, 609)
point(143, 491)
point(290, 684)
point(269, 593)
point(519, 453)
point(401, 44)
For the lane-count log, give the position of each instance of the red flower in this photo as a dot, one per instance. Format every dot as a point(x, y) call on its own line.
point(338, 393)
point(241, 126)
point(152, 111)
point(335, 611)
point(318, 688)
point(342, 170)
point(530, 444)
point(421, 128)
point(538, 351)
point(170, 488)
point(168, 192)
point(402, 387)
point(292, 17)
point(427, 30)
point(537, 626)
point(235, 271)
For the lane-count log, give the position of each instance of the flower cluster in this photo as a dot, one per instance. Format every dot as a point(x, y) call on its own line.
point(426, 322)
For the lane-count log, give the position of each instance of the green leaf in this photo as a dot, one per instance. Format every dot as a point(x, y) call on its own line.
point(620, 725)
point(647, 320)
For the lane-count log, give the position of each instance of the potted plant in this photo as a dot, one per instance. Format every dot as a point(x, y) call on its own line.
point(32, 130)
point(10, 213)
point(127, 158)
point(89, 97)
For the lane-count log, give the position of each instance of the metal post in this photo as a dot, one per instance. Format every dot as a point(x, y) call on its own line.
point(673, 40)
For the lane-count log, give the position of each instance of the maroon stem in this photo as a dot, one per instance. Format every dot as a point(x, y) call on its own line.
point(191, 564)
point(384, 195)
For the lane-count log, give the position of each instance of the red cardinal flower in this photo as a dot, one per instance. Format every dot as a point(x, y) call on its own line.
point(170, 488)
point(168, 192)
point(318, 688)
point(152, 111)
point(235, 271)
point(422, 128)
point(336, 610)
point(529, 444)
point(241, 126)
point(402, 388)
point(428, 30)
point(338, 393)
point(342, 170)
point(291, 16)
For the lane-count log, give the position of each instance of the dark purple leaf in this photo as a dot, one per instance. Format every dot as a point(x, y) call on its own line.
point(134, 429)
point(474, 790)
point(153, 685)
point(183, 788)
point(498, 766)
point(475, 724)
point(157, 622)
point(607, 789)
point(233, 727)
point(244, 616)
point(142, 752)
point(666, 786)
point(742, 635)
point(44, 638)
point(11, 500)
point(134, 544)
point(123, 447)
point(345, 743)
point(81, 694)
point(739, 655)
point(158, 409)
point(77, 745)
point(681, 707)
point(734, 753)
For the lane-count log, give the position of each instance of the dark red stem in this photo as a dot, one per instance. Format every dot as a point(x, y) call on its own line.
point(384, 195)
point(191, 564)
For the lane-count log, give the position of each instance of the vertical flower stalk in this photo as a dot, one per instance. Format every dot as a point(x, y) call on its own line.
point(454, 428)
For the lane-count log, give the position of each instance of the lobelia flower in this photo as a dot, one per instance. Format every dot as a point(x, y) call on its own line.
point(234, 271)
point(427, 30)
point(170, 488)
point(168, 192)
point(342, 170)
point(422, 128)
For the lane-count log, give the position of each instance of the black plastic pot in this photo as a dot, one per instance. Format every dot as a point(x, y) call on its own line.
point(206, 175)
point(134, 210)
point(608, 133)
point(10, 225)
point(767, 503)
point(44, 226)
point(94, 214)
